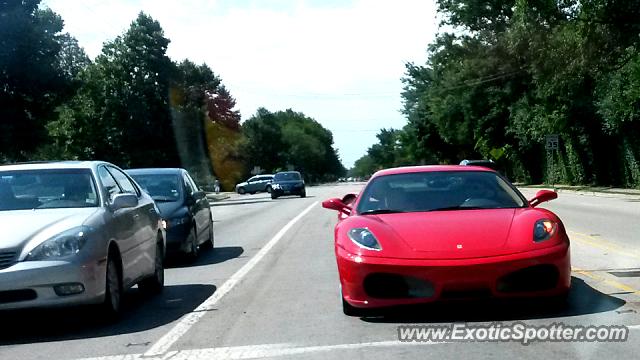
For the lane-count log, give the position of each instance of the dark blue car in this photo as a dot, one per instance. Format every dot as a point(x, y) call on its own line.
point(183, 206)
point(288, 183)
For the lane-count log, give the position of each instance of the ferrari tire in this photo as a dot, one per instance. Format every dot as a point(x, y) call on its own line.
point(273, 195)
point(241, 191)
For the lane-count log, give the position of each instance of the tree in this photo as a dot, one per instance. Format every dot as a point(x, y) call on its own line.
point(363, 167)
point(514, 71)
point(263, 143)
point(32, 81)
point(135, 112)
point(277, 141)
point(207, 125)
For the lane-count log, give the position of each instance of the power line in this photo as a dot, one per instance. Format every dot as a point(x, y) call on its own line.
point(482, 80)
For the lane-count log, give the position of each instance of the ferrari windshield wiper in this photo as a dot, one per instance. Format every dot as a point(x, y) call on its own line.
point(381, 211)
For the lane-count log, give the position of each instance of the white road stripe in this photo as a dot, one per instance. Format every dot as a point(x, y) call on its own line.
point(181, 328)
point(261, 351)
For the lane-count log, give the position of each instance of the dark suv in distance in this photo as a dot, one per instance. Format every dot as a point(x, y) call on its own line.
point(183, 206)
point(287, 183)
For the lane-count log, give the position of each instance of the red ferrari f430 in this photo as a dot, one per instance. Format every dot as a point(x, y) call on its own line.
point(428, 233)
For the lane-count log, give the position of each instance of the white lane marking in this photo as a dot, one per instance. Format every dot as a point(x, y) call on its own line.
point(181, 328)
point(262, 351)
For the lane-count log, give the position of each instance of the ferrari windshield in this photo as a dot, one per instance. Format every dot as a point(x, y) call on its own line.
point(438, 191)
point(47, 189)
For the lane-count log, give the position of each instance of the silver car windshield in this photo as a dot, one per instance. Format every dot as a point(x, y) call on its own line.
point(438, 191)
point(47, 189)
point(161, 187)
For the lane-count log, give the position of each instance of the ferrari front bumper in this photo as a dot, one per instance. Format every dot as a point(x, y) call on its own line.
point(369, 282)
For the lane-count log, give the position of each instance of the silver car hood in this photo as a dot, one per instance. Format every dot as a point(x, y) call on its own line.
point(21, 226)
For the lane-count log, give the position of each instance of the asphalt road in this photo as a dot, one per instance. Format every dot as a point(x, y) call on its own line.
point(270, 289)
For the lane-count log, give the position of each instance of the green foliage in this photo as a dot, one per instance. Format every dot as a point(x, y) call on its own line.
point(134, 107)
point(289, 139)
point(515, 71)
point(121, 112)
point(363, 167)
point(32, 80)
point(207, 127)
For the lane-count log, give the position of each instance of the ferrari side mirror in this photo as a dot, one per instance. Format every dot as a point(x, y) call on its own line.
point(338, 205)
point(543, 196)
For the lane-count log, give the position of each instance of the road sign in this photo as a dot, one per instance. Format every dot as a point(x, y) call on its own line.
point(553, 142)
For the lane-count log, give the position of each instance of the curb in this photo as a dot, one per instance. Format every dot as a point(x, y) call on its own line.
point(217, 197)
point(587, 192)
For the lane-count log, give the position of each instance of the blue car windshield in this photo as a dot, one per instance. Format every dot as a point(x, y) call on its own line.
point(161, 187)
point(47, 189)
point(287, 176)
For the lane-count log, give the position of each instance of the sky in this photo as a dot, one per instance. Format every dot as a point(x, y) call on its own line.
point(338, 61)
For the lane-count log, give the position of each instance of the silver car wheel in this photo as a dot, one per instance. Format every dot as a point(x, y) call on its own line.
point(113, 287)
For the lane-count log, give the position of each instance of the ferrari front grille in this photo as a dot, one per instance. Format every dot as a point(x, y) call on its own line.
point(530, 279)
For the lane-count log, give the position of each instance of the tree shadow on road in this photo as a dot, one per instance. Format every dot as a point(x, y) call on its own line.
point(208, 257)
point(139, 313)
point(583, 300)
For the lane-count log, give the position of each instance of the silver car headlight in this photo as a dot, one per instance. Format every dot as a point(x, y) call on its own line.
point(364, 238)
point(65, 244)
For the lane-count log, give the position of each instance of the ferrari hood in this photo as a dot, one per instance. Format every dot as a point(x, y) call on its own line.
point(453, 234)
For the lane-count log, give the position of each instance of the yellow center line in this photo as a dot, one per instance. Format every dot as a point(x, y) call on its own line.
point(602, 244)
point(605, 280)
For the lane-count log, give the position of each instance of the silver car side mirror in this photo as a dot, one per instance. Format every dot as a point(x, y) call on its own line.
point(123, 201)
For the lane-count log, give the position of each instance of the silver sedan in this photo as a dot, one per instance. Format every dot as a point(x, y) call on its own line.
point(76, 233)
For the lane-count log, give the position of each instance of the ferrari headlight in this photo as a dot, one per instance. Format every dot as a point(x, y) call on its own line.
point(544, 229)
point(65, 244)
point(364, 238)
point(275, 186)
